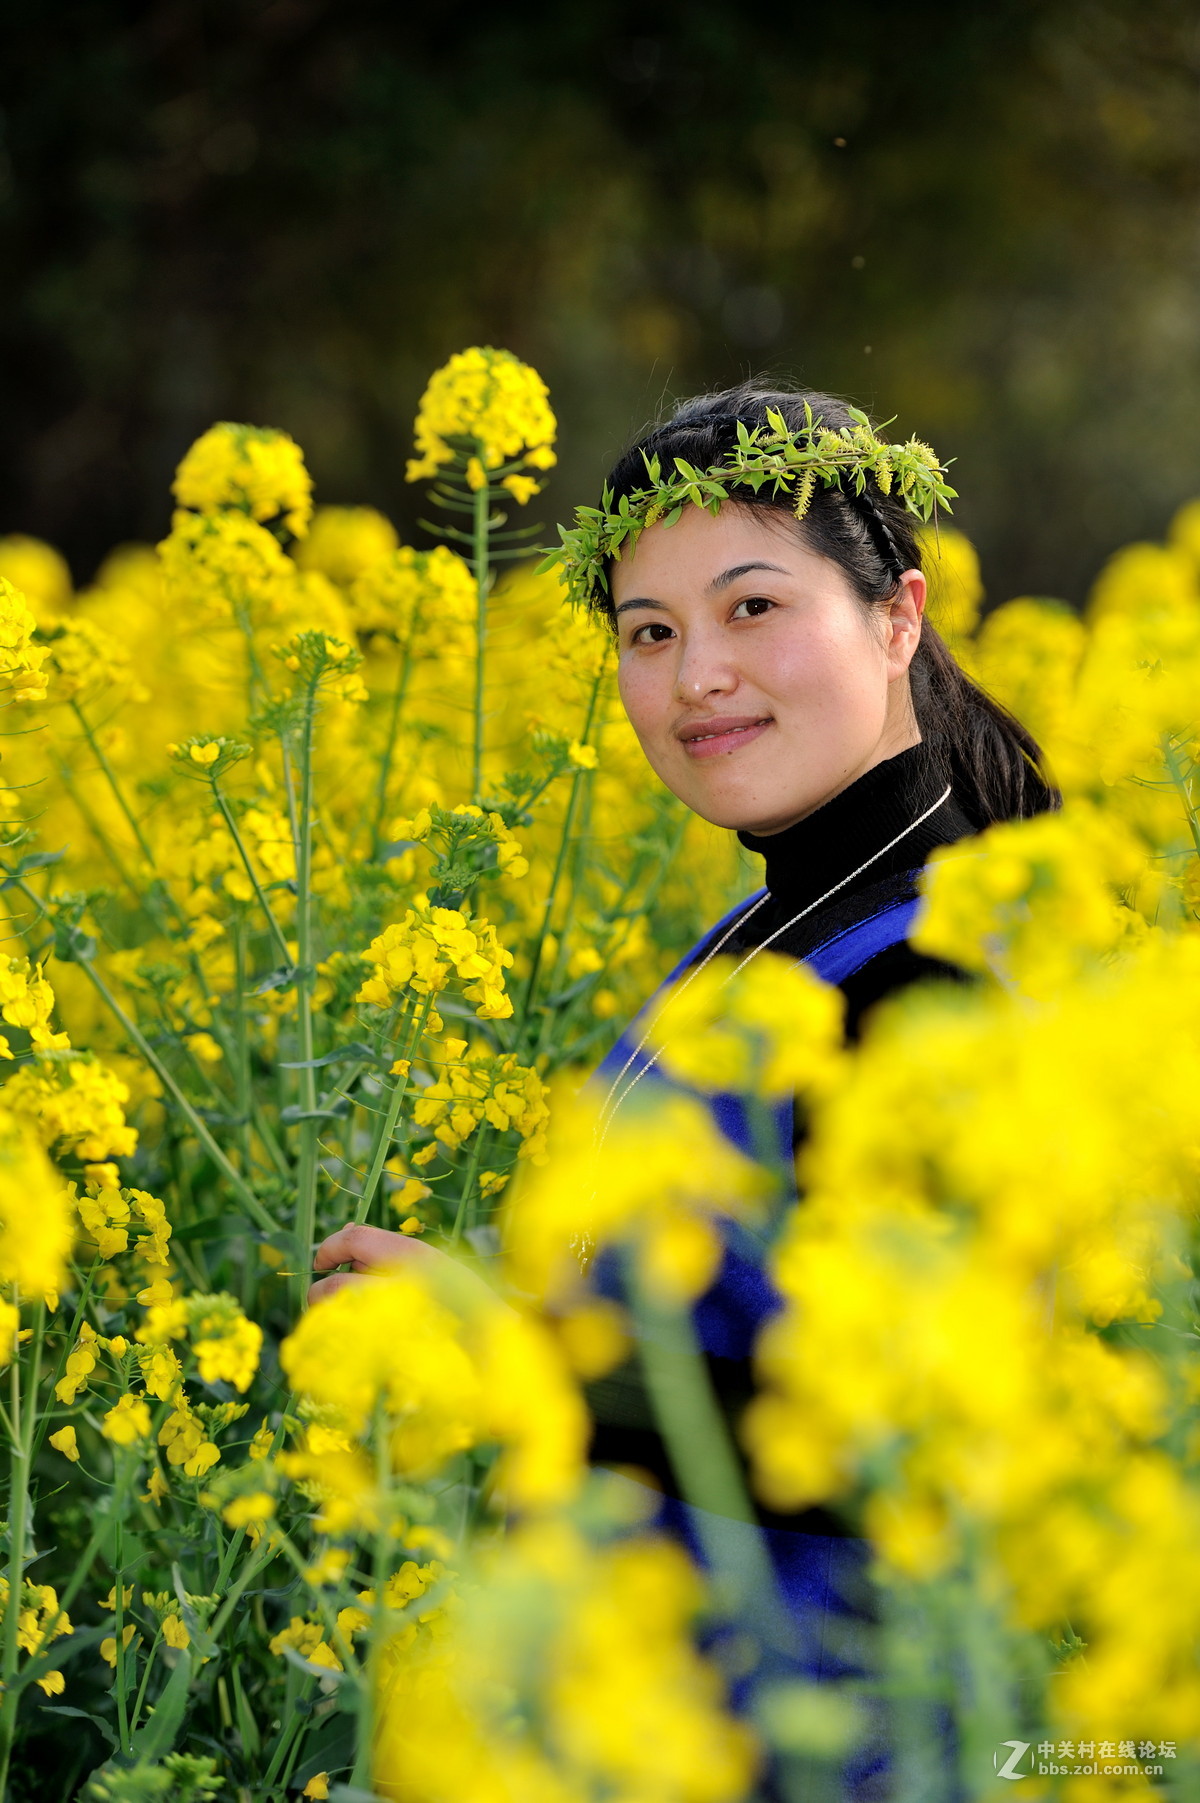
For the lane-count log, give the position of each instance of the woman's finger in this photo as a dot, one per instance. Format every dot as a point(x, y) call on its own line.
point(366, 1248)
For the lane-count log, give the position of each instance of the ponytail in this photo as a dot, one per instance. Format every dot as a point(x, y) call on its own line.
point(994, 763)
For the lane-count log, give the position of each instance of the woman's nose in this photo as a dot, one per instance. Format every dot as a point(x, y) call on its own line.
point(704, 669)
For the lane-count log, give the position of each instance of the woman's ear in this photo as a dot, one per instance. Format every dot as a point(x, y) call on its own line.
point(906, 610)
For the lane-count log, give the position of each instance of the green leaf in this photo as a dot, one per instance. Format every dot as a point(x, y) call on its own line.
point(157, 1737)
point(100, 1726)
point(354, 1050)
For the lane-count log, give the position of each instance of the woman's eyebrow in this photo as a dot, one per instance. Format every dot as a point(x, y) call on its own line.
point(717, 583)
point(743, 569)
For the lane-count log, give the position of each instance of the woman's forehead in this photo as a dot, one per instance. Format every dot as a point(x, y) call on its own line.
point(702, 547)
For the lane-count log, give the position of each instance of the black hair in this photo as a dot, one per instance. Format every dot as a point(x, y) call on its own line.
point(994, 763)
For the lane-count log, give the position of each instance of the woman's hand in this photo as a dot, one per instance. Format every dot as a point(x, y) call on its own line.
point(364, 1249)
point(370, 1250)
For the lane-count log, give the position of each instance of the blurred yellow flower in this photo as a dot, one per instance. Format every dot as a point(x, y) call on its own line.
point(254, 469)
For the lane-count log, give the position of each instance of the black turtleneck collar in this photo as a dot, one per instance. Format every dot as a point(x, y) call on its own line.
point(806, 860)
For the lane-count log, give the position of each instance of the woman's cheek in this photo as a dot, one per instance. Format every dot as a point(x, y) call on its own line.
point(644, 698)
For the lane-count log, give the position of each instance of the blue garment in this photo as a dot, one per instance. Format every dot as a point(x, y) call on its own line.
point(730, 1315)
point(820, 1578)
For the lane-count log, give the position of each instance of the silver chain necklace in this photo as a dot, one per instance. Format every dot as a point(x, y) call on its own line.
point(610, 1106)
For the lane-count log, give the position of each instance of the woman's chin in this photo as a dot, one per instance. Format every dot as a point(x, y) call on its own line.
point(750, 814)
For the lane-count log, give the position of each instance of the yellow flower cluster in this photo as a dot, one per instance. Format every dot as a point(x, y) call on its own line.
point(22, 675)
point(771, 1030)
point(1034, 902)
point(81, 1362)
point(481, 1086)
point(324, 663)
point(592, 1646)
point(988, 1186)
point(35, 1219)
point(255, 471)
point(106, 1212)
point(90, 662)
point(226, 566)
point(497, 401)
point(446, 1378)
point(37, 571)
point(39, 1620)
point(225, 1344)
point(128, 1421)
point(463, 829)
point(407, 1585)
point(27, 1000)
point(343, 542)
point(424, 601)
point(184, 1440)
point(76, 1105)
point(655, 1178)
point(427, 950)
point(234, 823)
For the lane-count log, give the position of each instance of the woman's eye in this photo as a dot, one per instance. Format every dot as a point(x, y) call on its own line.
point(653, 633)
point(754, 607)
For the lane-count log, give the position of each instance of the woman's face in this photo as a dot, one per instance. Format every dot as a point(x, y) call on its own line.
point(757, 683)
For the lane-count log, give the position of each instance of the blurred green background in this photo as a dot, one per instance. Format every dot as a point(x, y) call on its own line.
point(982, 219)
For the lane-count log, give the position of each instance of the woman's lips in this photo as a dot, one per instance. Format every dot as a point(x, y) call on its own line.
point(709, 738)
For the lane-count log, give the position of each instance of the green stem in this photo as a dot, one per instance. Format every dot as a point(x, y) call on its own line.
point(147, 1667)
point(106, 845)
point(482, 572)
point(276, 931)
point(381, 1572)
point(250, 1571)
point(244, 1093)
point(119, 1615)
point(241, 1188)
point(148, 901)
point(306, 1179)
point(577, 859)
point(383, 1139)
point(461, 1217)
point(256, 683)
point(1175, 770)
point(234, 1178)
point(535, 962)
point(389, 749)
point(23, 1415)
point(559, 866)
point(294, 1727)
point(698, 1443)
point(118, 793)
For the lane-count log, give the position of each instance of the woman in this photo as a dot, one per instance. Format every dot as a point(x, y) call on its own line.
point(777, 668)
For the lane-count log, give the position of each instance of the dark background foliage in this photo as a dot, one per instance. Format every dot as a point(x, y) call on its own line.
point(979, 218)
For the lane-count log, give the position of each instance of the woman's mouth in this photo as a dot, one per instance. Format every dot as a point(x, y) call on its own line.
point(710, 738)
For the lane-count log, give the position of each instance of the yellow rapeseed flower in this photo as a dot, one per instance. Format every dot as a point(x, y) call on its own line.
point(254, 469)
point(343, 542)
point(37, 571)
point(22, 675)
point(35, 1217)
point(128, 1422)
point(489, 396)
